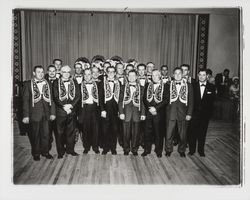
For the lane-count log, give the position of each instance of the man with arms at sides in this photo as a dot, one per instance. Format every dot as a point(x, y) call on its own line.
point(97, 61)
point(141, 69)
point(164, 74)
point(179, 112)
point(109, 96)
point(120, 73)
point(58, 64)
point(89, 114)
point(95, 74)
point(186, 73)
point(128, 68)
point(132, 111)
point(38, 110)
point(222, 83)
point(150, 67)
point(66, 96)
point(204, 94)
point(50, 78)
point(156, 96)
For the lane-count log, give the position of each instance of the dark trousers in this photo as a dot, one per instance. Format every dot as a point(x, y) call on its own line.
point(142, 133)
point(65, 130)
point(110, 132)
point(120, 132)
point(198, 134)
point(89, 127)
point(182, 127)
point(52, 129)
point(153, 134)
point(39, 137)
point(131, 140)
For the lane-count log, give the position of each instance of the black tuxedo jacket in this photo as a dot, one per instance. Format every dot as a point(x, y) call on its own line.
point(59, 104)
point(40, 108)
point(203, 108)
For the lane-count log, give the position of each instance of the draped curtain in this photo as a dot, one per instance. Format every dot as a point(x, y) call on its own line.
point(163, 39)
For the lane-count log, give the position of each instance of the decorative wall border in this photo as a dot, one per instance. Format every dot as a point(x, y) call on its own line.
point(202, 43)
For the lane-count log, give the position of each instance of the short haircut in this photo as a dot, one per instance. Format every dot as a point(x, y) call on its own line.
point(94, 67)
point(177, 68)
point(156, 70)
point(110, 67)
point(119, 63)
point(141, 64)
point(116, 58)
point(88, 69)
point(106, 62)
point(132, 71)
point(82, 59)
point(65, 66)
point(164, 66)
point(185, 65)
point(77, 63)
point(38, 67)
point(130, 60)
point(150, 63)
point(226, 70)
point(57, 59)
point(51, 66)
point(98, 58)
point(209, 71)
point(202, 70)
point(130, 65)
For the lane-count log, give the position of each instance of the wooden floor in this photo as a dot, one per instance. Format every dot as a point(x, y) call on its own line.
point(221, 166)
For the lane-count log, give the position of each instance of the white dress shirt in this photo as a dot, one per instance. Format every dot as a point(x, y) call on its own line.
point(90, 100)
point(40, 86)
point(202, 88)
point(132, 89)
point(79, 79)
point(111, 84)
point(156, 85)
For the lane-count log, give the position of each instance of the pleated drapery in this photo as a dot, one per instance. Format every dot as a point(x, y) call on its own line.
point(163, 39)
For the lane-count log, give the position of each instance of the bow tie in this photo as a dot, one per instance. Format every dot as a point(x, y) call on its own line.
point(131, 85)
point(111, 81)
point(66, 81)
point(39, 81)
point(178, 83)
point(88, 83)
point(203, 85)
point(142, 78)
point(78, 76)
point(52, 79)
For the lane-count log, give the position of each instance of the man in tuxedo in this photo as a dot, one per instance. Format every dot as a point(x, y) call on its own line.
point(89, 114)
point(51, 77)
point(164, 74)
point(150, 67)
point(186, 73)
point(132, 111)
point(156, 96)
point(109, 97)
point(204, 93)
point(66, 96)
point(222, 83)
point(120, 73)
point(58, 64)
point(38, 109)
point(141, 69)
point(128, 68)
point(179, 112)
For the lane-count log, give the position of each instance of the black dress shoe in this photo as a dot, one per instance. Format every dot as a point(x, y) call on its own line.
point(114, 152)
point(159, 155)
point(182, 155)
point(85, 151)
point(48, 156)
point(36, 158)
point(190, 153)
point(202, 154)
point(73, 153)
point(135, 153)
point(144, 153)
point(60, 156)
point(126, 153)
point(104, 152)
point(97, 151)
point(168, 154)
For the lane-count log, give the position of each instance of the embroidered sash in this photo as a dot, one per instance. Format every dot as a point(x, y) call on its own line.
point(37, 96)
point(135, 97)
point(156, 94)
point(63, 94)
point(85, 94)
point(108, 94)
point(183, 93)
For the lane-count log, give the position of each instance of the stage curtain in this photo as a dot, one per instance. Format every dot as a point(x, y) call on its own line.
point(163, 39)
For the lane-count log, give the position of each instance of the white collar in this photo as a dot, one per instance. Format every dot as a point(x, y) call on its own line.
point(205, 83)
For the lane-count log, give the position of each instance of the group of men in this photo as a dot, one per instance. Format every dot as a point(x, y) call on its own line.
point(110, 102)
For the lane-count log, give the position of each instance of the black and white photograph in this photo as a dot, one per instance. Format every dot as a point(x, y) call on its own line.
point(108, 96)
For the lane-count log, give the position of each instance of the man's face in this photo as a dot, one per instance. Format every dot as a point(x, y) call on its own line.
point(86, 65)
point(95, 72)
point(52, 72)
point(185, 71)
point(226, 73)
point(132, 77)
point(111, 73)
point(141, 70)
point(156, 77)
point(128, 69)
point(150, 67)
point(38, 73)
point(202, 76)
point(164, 71)
point(105, 66)
point(178, 75)
point(119, 69)
point(58, 64)
point(65, 73)
point(87, 75)
point(78, 69)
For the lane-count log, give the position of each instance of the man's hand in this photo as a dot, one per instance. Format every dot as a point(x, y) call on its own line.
point(188, 118)
point(143, 117)
point(68, 106)
point(104, 114)
point(26, 120)
point(122, 116)
point(52, 117)
point(67, 110)
point(152, 110)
